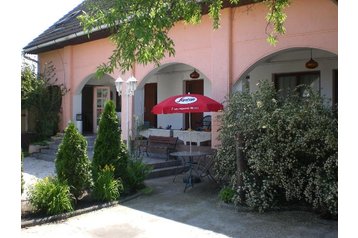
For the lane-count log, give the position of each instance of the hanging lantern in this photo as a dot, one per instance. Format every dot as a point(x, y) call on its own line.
point(194, 75)
point(311, 64)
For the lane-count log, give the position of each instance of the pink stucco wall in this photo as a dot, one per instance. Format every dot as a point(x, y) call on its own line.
point(223, 55)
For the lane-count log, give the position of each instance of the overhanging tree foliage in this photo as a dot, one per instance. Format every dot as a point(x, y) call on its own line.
point(140, 28)
point(42, 96)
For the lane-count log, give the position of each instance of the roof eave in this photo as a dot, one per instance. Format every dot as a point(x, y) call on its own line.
point(98, 33)
point(74, 38)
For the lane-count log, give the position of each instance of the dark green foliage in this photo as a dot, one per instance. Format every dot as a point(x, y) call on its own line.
point(106, 188)
point(43, 97)
point(142, 36)
point(137, 173)
point(290, 146)
point(109, 148)
point(226, 194)
point(72, 163)
point(51, 196)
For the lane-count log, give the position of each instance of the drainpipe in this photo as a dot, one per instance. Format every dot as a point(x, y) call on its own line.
point(28, 58)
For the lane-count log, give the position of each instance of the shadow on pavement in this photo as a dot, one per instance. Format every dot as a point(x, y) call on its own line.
point(199, 206)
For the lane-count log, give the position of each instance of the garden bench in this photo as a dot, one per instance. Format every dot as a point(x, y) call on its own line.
point(161, 143)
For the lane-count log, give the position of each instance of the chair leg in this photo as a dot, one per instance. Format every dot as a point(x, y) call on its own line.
point(181, 167)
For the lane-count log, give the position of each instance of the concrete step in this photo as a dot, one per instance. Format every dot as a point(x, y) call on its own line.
point(163, 168)
point(45, 157)
point(166, 171)
point(52, 157)
point(49, 154)
point(164, 164)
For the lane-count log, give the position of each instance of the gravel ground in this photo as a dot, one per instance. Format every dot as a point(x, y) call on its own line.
point(35, 169)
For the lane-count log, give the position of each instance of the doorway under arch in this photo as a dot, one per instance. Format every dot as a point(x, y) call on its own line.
point(165, 81)
point(89, 99)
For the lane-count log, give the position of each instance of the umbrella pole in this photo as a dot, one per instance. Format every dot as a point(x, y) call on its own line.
point(190, 131)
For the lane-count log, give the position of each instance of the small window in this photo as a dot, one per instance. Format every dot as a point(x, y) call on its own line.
point(289, 81)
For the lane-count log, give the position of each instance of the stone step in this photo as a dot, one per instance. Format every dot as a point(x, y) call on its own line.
point(54, 144)
point(49, 151)
point(45, 157)
point(165, 164)
point(52, 157)
point(166, 171)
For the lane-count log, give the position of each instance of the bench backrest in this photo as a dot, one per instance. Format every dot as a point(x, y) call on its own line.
point(162, 140)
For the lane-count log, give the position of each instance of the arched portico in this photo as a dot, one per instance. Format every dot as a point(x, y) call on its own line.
point(167, 80)
point(288, 63)
point(88, 101)
point(162, 82)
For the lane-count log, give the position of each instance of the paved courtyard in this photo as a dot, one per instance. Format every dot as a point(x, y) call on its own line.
point(169, 212)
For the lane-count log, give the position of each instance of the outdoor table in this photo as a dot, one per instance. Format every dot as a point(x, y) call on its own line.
point(188, 158)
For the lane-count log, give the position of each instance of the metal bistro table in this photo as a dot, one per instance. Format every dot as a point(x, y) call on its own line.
point(188, 159)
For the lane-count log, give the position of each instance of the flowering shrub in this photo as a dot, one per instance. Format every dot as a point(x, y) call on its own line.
point(289, 146)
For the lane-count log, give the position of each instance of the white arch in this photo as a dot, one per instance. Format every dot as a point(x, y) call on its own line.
point(287, 60)
point(92, 80)
point(170, 78)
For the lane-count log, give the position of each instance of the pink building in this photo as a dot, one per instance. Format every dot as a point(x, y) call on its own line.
point(235, 55)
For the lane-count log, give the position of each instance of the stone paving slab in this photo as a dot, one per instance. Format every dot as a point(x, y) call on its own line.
point(169, 212)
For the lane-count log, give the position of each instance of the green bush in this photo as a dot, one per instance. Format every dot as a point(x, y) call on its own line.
point(72, 163)
point(109, 148)
point(51, 196)
point(106, 187)
point(42, 98)
point(226, 194)
point(289, 145)
point(137, 173)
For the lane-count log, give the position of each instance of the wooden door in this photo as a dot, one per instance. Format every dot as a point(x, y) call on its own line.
point(195, 87)
point(101, 95)
point(87, 109)
point(150, 100)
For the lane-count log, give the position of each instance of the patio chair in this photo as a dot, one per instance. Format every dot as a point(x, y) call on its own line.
point(204, 167)
point(180, 168)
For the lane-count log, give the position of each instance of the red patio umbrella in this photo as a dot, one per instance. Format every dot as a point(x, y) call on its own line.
point(187, 103)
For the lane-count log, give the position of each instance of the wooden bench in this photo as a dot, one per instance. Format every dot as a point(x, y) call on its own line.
point(161, 143)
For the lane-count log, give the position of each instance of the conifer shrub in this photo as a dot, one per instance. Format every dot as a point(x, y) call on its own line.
point(290, 149)
point(72, 164)
point(109, 149)
point(51, 196)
